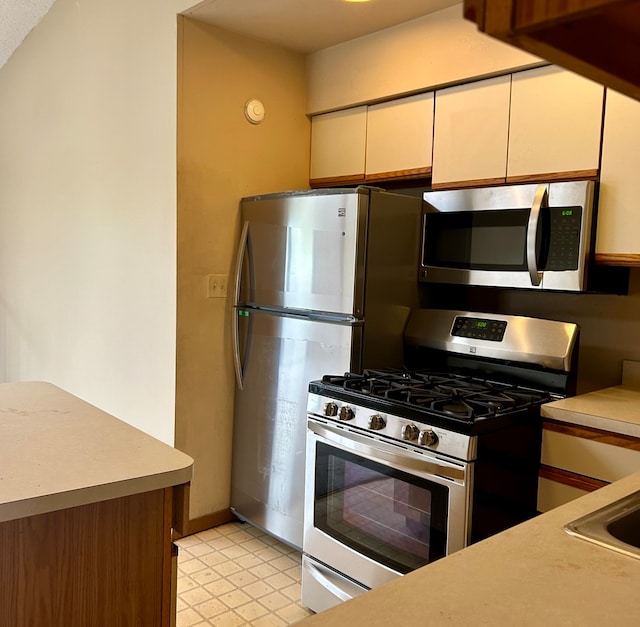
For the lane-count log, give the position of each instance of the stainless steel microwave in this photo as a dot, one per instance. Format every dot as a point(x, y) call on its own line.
point(535, 236)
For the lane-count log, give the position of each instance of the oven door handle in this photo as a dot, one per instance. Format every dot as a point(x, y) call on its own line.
point(540, 200)
point(367, 447)
point(322, 579)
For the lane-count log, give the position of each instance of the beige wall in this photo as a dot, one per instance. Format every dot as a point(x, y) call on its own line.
point(87, 207)
point(610, 327)
point(609, 324)
point(221, 158)
point(432, 51)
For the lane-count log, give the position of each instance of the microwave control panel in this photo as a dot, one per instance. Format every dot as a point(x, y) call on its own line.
point(479, 328)
point(564, 238)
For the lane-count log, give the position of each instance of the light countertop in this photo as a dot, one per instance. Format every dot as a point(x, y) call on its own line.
point(615, 409)
point(58, 451)
point(533, 574)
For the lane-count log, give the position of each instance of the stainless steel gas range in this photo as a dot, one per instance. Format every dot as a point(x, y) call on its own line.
point(406, 466)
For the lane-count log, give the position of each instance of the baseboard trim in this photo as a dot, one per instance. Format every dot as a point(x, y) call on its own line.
point(196, 525)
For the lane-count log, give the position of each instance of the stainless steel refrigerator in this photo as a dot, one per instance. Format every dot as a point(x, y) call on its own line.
point(325, 280)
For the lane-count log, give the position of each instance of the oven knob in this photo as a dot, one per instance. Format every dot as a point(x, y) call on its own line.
point(377, 422)
point(410, 432)
point(331, 409)
point(346, 413)
point(427, 438)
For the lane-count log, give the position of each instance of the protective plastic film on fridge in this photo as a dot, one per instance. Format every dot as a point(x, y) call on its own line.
point(325, 280)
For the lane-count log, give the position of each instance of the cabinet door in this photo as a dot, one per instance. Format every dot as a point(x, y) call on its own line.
point(576, 460)
point(400, 138)
point(552, 494)
point(470, 134)
point(618, 234)
point(338, 142)
point(555, 125)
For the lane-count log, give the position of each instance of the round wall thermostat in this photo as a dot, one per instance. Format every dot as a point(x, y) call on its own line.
point(254, 111)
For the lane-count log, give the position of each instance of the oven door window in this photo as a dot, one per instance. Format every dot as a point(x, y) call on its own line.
point(395, 518)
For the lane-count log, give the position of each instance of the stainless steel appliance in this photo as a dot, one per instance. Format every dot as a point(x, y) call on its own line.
point(405, 466)
point(325, 282)
point(536, 236)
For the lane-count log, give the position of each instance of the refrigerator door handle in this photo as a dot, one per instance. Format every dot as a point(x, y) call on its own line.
point(242, 249)
point(235, 332)
point(236, 349)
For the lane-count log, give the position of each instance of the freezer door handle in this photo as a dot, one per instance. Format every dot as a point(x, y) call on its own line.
point(235, 331)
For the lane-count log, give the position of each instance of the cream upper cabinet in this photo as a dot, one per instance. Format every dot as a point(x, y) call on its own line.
point(400, 138)
point(338, 141)
point(618, 232)
point(555, 125)
point(471, 130)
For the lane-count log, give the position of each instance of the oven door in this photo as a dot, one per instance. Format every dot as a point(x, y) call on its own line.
point(375, 510)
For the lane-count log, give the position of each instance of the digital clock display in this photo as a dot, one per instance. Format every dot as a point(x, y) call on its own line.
point(479, 328)
point(567, 212)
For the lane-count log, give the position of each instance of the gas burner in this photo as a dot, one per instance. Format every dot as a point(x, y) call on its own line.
point(414, 395)
point(455, 408)
point(448, 394)
point(492, 401)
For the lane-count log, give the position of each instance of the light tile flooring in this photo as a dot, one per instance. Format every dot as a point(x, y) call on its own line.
point(236, 574)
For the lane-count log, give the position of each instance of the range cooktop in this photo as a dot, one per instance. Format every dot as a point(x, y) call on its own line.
point(450, 395)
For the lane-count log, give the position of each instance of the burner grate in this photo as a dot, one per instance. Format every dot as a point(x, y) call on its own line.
point(448, 394)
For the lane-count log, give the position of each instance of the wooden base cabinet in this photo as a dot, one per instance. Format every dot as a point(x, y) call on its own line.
point(577, 460)
point(106, 564)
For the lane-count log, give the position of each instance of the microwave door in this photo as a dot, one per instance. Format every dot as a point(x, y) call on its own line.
point(479, 247)
point(522, 236)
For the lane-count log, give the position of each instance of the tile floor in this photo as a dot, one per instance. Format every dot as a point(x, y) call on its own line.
point(236, 574)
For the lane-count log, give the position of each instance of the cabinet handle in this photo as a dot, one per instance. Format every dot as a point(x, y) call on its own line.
point(540, 200)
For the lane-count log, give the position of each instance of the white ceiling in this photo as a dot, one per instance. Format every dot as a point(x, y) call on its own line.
point(17, 19)
point(310, 25)
point(302, 25)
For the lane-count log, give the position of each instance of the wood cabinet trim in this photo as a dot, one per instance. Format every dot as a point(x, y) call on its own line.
point(590, 433)
point(337, 181)
point(573, 175)
point(196, 525)
point(565, 477)
point(469, 183)
point(399, 175)
point(631, 260)
point(180, 515)
point(531, 15)
point(167, 553)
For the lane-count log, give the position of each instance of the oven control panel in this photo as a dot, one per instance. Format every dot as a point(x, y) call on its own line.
point(479, 328)
point(383, 425)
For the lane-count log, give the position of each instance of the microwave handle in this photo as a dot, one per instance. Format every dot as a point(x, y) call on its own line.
point(540, 200)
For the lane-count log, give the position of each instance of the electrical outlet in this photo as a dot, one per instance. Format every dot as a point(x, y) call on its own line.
point(217, 285)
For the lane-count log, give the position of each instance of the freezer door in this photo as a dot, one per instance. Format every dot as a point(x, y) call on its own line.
point(282, 354)
point(304, 252)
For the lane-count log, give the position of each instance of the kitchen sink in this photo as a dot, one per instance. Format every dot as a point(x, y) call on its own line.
point(615, 526)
